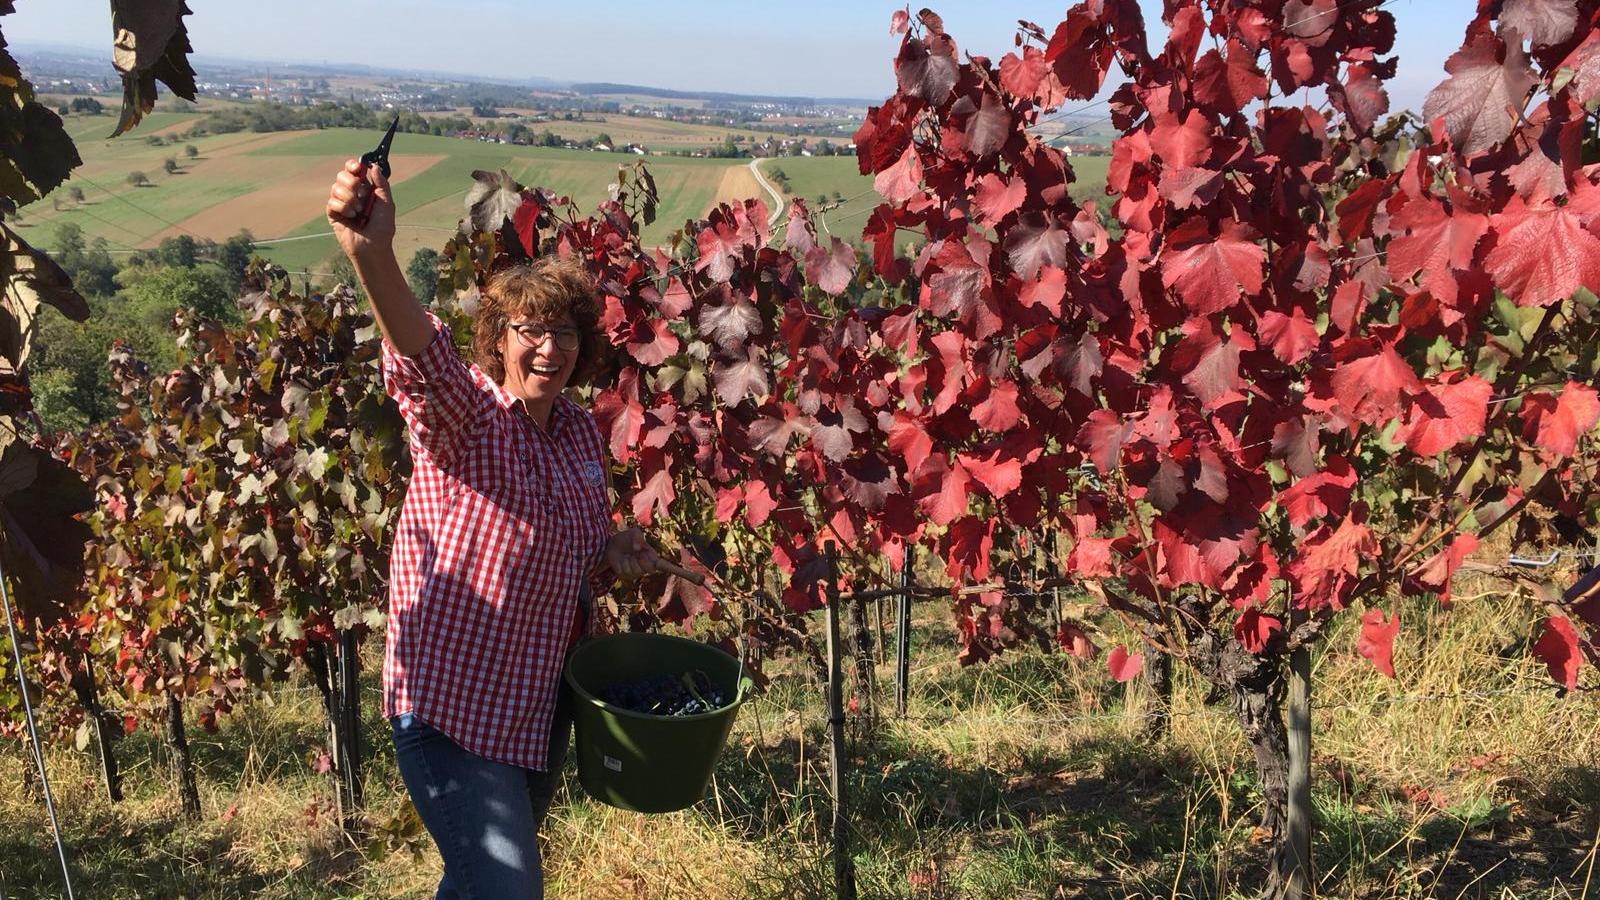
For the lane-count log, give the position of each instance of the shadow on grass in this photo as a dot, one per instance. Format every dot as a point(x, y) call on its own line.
point(1523, 840)
point(111, 858)
point(1121, 817)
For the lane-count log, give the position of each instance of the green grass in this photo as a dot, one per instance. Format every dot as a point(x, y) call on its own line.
point(1026, 777)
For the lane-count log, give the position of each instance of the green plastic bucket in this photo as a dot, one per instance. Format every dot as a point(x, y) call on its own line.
point(647, 763)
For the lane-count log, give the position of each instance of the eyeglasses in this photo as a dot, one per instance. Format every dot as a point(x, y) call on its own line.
point(532, 334)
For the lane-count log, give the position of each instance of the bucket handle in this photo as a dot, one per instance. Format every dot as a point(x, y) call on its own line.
point(741, 684)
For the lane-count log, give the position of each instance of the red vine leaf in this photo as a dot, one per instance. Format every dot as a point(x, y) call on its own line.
point(996, 197)
point(1542, 253)
point(1122, 665)
point(1444, 414)
point(1542, 22)
point(903, 180)
point(1377, 639)
point(927, 70)
point(831, 268)
point(907, 438)
point(1254, 629)
point(1555, 423)
point(1371, 380)
point(1436, 573)
point(1436, 243)
point(1558, 648)
point(1209, 272)
point(1484, 94)
point(731, 324)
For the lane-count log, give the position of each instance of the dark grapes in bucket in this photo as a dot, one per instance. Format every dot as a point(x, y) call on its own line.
point(688, 694)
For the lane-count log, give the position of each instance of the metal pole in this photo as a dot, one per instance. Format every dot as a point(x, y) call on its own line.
point(33, 735)
point(843, 869)
point(902, 636)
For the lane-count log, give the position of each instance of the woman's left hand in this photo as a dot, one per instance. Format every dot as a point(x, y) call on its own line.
point(630, 556)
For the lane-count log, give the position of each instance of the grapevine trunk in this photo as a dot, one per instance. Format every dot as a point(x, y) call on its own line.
point(182, 762)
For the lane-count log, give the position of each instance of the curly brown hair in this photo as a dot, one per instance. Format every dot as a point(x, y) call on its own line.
point(545, 290)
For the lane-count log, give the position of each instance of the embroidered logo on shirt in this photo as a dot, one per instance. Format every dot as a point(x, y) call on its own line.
point(593, 474)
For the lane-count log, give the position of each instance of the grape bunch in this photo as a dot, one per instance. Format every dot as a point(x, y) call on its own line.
point(688, 694)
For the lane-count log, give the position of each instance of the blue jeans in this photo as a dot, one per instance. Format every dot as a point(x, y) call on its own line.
point(483, 815)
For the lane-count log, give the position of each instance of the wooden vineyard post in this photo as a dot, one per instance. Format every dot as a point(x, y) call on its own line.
point(866, 676)
point(348, 746)
point(89, 699)
point(1297, 884)
point(902, 636)
point(844, 876)
point(336, 672)
point(881, 647)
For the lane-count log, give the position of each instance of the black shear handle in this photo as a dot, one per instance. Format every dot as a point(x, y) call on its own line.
point(378, 156)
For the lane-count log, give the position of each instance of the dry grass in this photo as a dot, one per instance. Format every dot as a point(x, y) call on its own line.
point(1027, 777)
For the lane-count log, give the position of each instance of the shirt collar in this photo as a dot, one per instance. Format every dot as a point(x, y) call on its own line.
point(560, 413)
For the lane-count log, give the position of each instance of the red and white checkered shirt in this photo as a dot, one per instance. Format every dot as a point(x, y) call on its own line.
point(501, 525)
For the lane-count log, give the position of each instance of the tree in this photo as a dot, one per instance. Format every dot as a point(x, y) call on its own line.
point(88, 265)
point(138, 179)
point(180, 250)
point(87, 105)
point(169, 165)
point(422, 273)
point(191, 151)
point(75, 194)
point(233, 257)
point(155, 293)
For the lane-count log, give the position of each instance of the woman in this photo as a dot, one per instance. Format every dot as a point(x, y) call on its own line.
point(506, 515)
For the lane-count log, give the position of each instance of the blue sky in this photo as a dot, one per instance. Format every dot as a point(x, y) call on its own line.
point(814, 48)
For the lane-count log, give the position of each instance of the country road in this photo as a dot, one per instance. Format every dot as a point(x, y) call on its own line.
point(777, 198)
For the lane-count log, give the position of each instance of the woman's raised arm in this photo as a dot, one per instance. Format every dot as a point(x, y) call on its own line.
point(361, 213)
point(443, 405)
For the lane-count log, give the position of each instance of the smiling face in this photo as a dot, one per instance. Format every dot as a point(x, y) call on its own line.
point(537, 366)
point(535, 330)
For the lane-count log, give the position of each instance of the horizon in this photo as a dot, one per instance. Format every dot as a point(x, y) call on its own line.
point(730, 54)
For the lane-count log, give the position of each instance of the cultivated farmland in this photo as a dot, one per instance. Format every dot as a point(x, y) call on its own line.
point(274, 184)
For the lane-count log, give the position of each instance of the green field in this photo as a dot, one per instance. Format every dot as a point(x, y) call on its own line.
point(274, 185)
point(432, 200)
point(650, 132)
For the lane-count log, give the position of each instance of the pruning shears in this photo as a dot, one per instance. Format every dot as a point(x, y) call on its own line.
point(377, 156)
